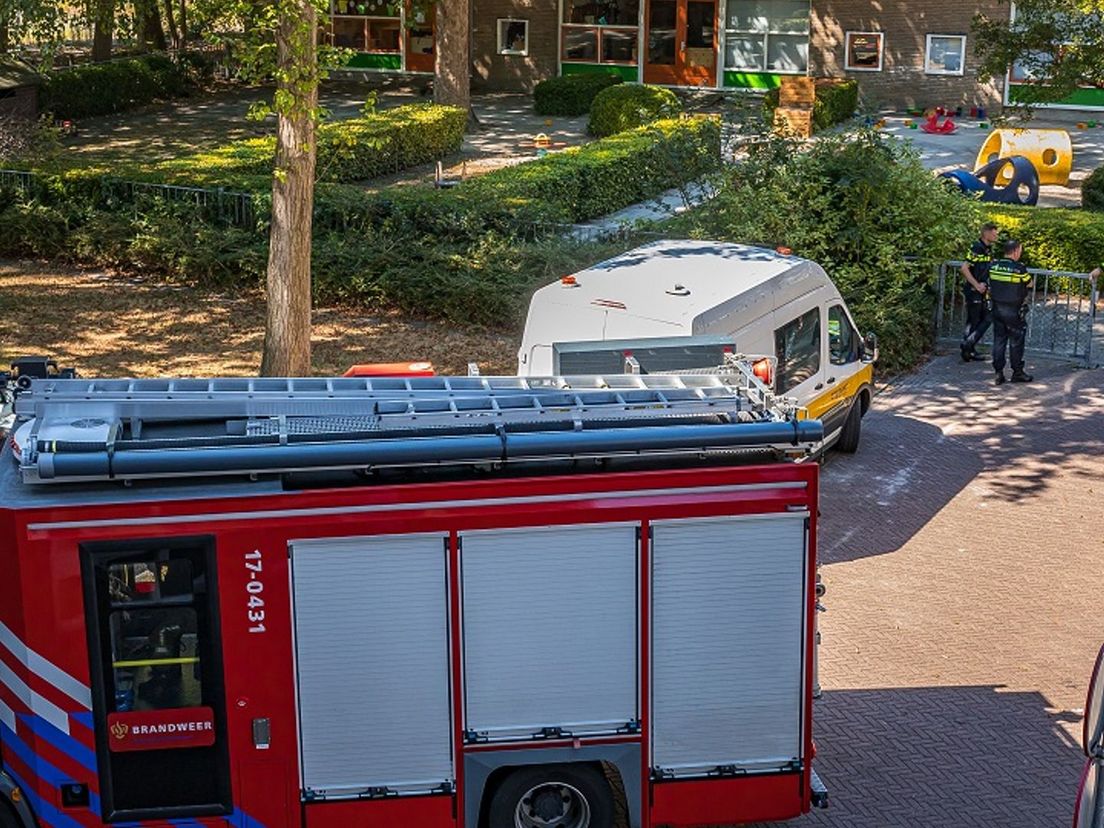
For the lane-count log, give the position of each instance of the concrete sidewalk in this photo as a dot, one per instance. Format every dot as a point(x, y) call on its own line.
point(964, 555)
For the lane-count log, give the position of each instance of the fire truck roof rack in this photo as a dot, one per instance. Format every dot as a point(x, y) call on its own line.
point(71, 430)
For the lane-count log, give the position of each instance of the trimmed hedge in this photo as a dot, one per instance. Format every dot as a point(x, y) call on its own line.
point(93, 89)
point(355, 149)
point(1053, 238)
point(1092, 191)
point(470, 254)
point(835, 102)
point(571, 94)
point(630, 105)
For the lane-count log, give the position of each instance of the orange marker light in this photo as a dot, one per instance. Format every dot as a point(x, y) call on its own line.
point(762, 370)
point(785, 251)
point(569, 281)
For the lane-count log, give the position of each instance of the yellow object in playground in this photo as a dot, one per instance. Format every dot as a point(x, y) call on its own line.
point(1050, 150)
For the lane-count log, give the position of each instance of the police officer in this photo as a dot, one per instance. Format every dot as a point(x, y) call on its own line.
point(975, 272)
point(1009, 283)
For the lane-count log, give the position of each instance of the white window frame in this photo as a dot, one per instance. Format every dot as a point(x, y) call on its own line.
point(765, 36)
point(961, 55)
point(502, 47)
point(847, 52)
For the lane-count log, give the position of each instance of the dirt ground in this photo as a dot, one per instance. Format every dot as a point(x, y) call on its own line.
point(113, 325)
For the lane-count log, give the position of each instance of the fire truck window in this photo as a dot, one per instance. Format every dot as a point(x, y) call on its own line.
point(153, 581)
point(797, 346)
point(155, 658)
point(843, 339)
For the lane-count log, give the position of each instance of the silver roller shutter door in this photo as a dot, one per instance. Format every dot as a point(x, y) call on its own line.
point(550, 629)
point(728, 616)
point(371, 634)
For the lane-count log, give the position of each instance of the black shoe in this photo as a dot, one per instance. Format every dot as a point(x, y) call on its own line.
point(1000, 378)
point(967, 354)
point(1020, 376)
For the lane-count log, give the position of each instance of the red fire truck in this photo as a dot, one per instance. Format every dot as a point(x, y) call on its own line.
point(393, 602)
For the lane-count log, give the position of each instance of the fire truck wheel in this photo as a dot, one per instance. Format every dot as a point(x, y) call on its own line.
point(552, 796)
point(848, 441)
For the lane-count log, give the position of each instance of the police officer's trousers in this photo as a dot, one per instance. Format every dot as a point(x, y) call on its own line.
point(1009, 333)
point(977, 321)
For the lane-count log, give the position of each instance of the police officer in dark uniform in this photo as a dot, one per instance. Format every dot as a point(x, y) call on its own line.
point(975, 273)
point(1009, 283)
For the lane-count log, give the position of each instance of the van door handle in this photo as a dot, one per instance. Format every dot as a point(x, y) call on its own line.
point(818, 386)
point(831, 380)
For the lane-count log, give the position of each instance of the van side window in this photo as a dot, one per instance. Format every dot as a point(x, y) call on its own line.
point(843, 339)
point(797, 346)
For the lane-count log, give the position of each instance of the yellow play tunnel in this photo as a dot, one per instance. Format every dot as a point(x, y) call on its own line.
point(1050, 150)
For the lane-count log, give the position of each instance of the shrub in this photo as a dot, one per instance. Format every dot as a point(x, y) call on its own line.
point(858, 204)
point(1092, 191)
point(835, 102)
point(630, 105)
point(571, 94)
point(1053, 238)
point(355, 149)
point(93, 89)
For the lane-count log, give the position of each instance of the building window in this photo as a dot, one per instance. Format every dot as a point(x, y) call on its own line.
point(606, 31)
point(367, 25)
point(864, 51)
point(513, 37)
point(767, 36)
point(945, 55)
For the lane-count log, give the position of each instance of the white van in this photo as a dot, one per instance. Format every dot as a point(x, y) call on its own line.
point(677, 305)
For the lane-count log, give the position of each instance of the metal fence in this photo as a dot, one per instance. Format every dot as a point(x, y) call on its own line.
point(215, 204)
point(1062, 318)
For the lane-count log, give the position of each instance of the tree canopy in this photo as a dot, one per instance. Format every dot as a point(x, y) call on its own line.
point(1056, 47)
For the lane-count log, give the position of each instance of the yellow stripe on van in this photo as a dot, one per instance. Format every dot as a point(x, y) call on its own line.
point(841, 392)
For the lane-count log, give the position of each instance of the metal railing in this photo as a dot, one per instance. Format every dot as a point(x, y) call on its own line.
point(1063, 310)
point(226, 206)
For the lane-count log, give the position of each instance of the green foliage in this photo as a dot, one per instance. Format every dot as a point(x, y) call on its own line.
point(858, 204)
point(1052, 238)
point(93, 89)
point(630, 105)
point(1058, 43)
point(355, 149)
point(1092, 191)
point(835, 102)
point(571, 94)
point(469, 254)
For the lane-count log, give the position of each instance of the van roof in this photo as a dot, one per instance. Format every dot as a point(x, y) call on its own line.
point(676, 281)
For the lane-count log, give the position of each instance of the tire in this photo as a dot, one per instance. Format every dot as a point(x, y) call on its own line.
point(848, 441)
point(552, 796)
point(8, 819)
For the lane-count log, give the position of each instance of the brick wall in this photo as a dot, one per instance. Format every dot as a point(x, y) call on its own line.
point(902, 81)
point(492, 71)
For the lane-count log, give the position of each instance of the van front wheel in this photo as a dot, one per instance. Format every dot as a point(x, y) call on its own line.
point(848, 441)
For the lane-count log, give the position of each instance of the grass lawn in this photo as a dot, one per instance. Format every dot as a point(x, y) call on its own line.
point(111, 325)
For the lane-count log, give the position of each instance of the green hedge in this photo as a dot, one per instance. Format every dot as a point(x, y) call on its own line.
point(93, 89)
point(1053, 238)
point(470, 254)
point(571, 94)
point(630, 105)
point(835, 102)
point(355, 149)
point(1092, 191)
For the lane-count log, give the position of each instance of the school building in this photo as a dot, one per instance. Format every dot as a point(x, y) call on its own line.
point(903, 52)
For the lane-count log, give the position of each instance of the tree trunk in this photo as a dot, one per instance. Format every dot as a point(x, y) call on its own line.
point(151, 31)
point(183, 20)
point(5, 38)
point(174, 36)
point(287, 346)
point(103, 32)
point(452, 67)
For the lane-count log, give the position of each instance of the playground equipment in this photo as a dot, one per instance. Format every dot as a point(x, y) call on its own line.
point(1049, 150)
point(932, 125)
point(1003, 181)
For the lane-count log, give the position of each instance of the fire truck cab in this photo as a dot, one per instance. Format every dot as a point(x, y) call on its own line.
point(512, 602)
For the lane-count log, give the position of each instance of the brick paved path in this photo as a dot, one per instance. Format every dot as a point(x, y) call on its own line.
point(964, 561)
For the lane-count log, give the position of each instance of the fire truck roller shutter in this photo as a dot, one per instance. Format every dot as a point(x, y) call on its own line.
point(550, 630)
point(371, 636)
point(728, 622)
